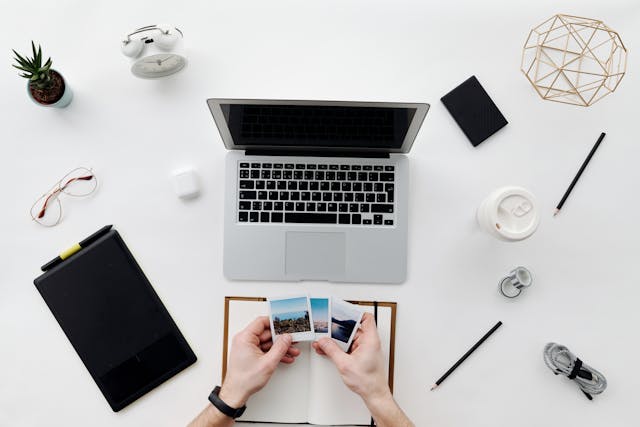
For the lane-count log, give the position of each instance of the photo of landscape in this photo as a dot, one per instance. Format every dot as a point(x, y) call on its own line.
point(320, 315)
point(290, 315)
point(344, 319)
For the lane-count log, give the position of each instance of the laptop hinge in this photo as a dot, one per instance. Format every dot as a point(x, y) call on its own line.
point(317, 153)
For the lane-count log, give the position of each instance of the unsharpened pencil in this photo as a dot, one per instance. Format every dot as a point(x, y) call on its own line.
point(467, 354)
point(577, 177)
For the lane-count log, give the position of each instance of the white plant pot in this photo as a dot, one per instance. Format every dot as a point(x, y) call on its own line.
point(67, 96)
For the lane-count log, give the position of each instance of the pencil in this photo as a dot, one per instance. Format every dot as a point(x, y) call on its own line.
point(467, 354)
point(577, 177)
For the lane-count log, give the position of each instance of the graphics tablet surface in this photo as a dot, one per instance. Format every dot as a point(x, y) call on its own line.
point(115, 321)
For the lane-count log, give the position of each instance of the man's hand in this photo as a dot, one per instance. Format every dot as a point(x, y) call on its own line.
point(253, 359)
point(363, 371)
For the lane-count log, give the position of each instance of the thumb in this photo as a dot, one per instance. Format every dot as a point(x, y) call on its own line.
point(278, 350)
point(332, 350)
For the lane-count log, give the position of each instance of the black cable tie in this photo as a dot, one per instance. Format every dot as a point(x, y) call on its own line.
point(576, 368)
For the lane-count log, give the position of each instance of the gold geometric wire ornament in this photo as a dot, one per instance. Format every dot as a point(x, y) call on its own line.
point(574, 60)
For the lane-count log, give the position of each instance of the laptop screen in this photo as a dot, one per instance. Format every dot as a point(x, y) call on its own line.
point(371, 128)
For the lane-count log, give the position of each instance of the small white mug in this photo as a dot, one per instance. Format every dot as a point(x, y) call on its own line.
point(509, 213)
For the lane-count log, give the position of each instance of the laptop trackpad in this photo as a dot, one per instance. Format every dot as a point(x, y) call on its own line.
point(315, 255)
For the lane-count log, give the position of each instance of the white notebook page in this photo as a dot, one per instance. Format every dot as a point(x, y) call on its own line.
point(284, 399)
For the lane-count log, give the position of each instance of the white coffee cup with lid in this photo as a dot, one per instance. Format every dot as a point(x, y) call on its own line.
point(509, 213)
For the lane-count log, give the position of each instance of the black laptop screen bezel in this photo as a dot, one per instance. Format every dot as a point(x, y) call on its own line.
point(216, 104)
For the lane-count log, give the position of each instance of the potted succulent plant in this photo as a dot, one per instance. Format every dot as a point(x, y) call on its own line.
point(46, 86)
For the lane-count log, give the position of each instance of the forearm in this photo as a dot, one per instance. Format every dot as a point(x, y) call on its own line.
point(211, 417)
point(386, 412)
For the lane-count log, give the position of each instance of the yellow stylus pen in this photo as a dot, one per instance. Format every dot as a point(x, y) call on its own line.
point(75, 248)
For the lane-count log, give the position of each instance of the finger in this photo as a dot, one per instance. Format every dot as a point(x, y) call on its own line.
point(317, 348)
point(258, 326)
point(359, 333)
point(292, 354)
point(332, 351)
point(358, 336)
point(367, 321)
point(278, 350)
point(368, 329)
point(293, 351)
point(265, 335)
point(287, 359)
point(254, 329)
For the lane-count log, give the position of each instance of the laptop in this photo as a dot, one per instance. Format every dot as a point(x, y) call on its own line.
point(316, 190)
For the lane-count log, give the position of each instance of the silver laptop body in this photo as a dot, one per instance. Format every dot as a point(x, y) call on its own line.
point(316, 190)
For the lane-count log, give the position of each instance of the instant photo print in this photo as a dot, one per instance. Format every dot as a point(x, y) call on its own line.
point(291, 315)
point(345, 321)
point(320, 312)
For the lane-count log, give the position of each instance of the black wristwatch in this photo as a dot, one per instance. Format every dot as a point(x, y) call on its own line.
point(215, 400)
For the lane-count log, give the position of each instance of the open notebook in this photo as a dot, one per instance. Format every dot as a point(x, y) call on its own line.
point(309, 390)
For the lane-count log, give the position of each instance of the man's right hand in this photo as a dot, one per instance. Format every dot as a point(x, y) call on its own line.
point(363, 371)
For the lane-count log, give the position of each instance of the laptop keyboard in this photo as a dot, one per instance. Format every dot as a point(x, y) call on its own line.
point(315, 193)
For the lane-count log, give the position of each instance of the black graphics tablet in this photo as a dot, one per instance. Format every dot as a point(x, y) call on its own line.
point(115, 321)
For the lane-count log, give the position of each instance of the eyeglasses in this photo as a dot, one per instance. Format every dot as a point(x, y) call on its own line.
point(47, 210)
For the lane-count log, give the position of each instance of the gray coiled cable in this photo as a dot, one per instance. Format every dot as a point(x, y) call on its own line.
point(561, 361)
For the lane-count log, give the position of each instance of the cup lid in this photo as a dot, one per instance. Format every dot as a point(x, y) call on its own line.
point(515, 213)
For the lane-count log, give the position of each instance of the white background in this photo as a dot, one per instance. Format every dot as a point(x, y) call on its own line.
point(134, 132)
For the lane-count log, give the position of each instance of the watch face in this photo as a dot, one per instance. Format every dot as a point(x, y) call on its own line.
point(159, 65)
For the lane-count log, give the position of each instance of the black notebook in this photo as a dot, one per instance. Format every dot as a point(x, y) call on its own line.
point(115, 321)
point(474, 111)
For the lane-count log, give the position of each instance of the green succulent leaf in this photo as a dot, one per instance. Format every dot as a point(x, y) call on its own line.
point(37, 73)
point(18, 55)
point(20, 59)
point(28, 70)
point(39, 57)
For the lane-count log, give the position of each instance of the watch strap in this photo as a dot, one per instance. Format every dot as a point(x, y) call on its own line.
point(215, 400)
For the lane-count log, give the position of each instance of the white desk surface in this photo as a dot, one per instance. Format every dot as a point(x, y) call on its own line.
point(134, 132)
